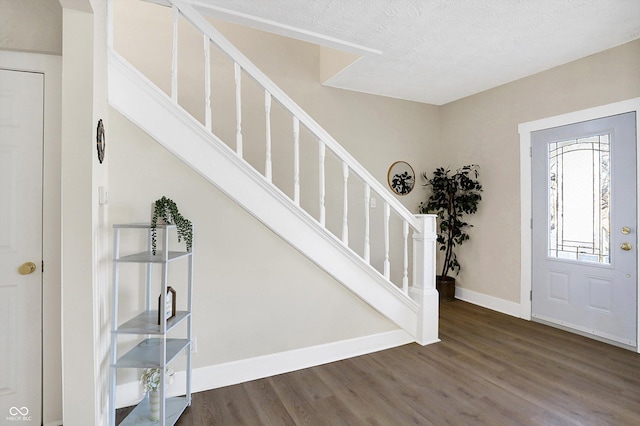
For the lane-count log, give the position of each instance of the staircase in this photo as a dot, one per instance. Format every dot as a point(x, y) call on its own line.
point(405, 293)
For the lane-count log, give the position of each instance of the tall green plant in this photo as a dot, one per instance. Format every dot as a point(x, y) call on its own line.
point(167, 210)
point(453, 195)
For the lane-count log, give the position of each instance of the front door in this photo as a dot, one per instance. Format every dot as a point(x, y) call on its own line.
point(584, 227)
point(21, 147)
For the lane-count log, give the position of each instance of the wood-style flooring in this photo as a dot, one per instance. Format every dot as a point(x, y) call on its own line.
point(489, 369)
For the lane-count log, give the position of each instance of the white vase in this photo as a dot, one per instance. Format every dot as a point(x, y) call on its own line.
point(154, 405)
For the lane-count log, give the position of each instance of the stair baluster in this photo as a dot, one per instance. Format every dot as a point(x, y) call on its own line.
point(405, 268)
point(345, 208)
point(237, 72)
point(174, 57)
point(267, 111)
point(321, 159)
point(296, 160)
point(387, 263)
point(207, 84)
point(367, 223)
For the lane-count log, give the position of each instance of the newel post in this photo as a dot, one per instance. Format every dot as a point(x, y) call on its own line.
point(423, 290)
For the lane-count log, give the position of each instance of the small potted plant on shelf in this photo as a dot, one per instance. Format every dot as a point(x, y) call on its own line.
point(453, 195)
point(166, 211)
point(151, 382)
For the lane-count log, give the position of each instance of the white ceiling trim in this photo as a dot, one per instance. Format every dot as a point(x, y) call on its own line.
point(270, 26)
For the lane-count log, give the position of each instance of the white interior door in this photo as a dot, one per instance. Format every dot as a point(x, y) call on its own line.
point(21, 148)
point(584, 227)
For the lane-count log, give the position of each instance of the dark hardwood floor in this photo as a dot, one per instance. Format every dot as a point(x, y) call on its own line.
point(489, 369)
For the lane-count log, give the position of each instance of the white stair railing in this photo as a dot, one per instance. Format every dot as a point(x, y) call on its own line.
point(411, 267)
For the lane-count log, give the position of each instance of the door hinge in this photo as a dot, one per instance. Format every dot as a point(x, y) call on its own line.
point(42, 266)
point(531, 223)
point(530, 152)
point(530, 294)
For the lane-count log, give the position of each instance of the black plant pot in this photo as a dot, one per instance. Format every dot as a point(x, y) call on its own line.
point(446, 287)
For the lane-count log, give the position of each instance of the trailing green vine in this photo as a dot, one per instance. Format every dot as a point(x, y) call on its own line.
point(167, 210)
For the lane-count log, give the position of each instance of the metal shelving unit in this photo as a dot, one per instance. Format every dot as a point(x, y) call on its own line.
point(155, 349)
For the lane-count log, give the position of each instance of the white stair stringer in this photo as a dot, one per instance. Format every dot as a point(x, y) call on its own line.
point(134, 96)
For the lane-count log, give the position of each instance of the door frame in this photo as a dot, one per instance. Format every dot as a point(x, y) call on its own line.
point(51, 67)
point(525, 130)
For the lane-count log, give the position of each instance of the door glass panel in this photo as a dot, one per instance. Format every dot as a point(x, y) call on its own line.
point(579, 183)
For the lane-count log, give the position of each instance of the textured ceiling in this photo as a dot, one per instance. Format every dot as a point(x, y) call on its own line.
point(437, 51)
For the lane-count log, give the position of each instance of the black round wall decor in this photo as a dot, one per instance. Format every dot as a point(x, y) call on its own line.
point(100, 141)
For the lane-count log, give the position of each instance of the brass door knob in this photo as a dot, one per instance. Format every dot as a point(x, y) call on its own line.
point(27, 268)
point(625, 246)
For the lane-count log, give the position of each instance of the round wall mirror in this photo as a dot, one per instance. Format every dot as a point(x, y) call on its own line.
point(401, 177)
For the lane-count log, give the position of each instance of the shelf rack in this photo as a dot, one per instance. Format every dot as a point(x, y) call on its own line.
point(154, 349)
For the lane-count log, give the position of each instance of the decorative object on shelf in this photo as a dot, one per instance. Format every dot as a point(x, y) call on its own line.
point(155, 345)
point(401, 177)
point(453, 195)
point(154, 405)
point(100, 141)
point(166, 209)
point(151, 382)
point(170, 305)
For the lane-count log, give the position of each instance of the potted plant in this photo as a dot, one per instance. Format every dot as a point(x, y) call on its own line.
point(166, 210)
point(453, 195)
point(151, 382)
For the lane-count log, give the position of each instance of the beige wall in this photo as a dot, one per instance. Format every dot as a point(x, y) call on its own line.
point(31, 26)
point(255, 295)
point(483, 129)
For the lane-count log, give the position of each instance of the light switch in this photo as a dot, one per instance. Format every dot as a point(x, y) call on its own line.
point(103, 195)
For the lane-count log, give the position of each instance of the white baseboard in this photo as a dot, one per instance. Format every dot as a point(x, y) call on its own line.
point(231, 373)
point(489, 302)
